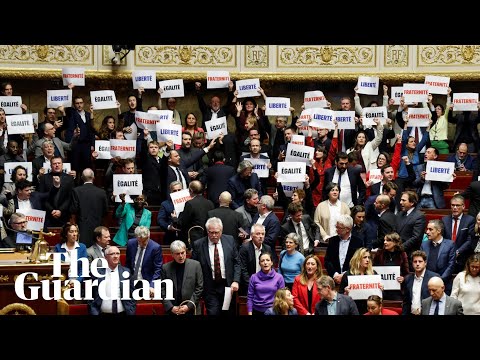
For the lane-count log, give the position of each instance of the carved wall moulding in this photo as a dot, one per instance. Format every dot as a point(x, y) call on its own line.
point(396, 55)
point(256, 56)
point(326, 56)
point(47, 54)
point(448, 55)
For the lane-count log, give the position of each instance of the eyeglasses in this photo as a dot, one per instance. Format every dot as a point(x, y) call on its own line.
point(114, 254)
point(456, 205)
point(21, 222)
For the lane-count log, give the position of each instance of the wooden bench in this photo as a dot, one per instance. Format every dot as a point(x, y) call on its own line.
point(144, 307)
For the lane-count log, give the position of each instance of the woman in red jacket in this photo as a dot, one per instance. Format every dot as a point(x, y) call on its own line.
point(305, 292)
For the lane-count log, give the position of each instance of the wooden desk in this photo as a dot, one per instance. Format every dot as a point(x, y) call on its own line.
point(14, 264)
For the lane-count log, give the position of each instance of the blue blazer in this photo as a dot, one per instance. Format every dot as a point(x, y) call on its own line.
point(236, 187)
point(152, 260)
point(470, 163)
point(408, 287)
point(445, 260)
point(81, 253)
point(126, 214)
point(464, 228)
point(437, 187)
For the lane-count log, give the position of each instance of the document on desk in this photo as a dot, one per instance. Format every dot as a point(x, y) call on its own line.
point(227, 299)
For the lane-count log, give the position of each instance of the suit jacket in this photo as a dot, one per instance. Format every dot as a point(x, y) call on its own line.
point(130, 305)
point(206, 110)
point(356, 184)
point(237, 186)
point(91, 205)
point(408, 290)
point(231, 261)
point(345, 306)
point(215, 178)
point(332, 261)
point(472, 192)
point(36, 202)
point(452, 306)
point(300, 297)
point(59, 199)
point(58, 143)
point(126, 214)
point(411, 229)
point(231, 219)
point(152, 260)
point(312, 230)
point(272, 231)
point(248, 263)
point(164, 219)
point(386, 224)
point(470, 162)
point(195, 213)
point(192, 284)
point(464, 120)
point(445, 262)
point(437, 187)
point(87, 132)
point(463, 242)
point(151, 174)
point(93, 252)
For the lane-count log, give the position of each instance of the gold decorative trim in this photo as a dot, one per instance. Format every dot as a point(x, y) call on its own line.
point(47, 54)
point(30, 278)
point(107, 56)
point(4, 278)
point(186, 55)
point(256, 56)
point(448, 55)
point(396, 55)
point(327, 56)
point(35, 74)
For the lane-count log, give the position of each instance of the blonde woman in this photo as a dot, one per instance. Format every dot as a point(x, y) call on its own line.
point(466, 286)
point(282, 304)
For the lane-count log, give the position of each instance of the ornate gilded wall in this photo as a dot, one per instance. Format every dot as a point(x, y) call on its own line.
point(284, 70)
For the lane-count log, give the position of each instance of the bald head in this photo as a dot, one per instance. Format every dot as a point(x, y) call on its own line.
point(436, 288)
point(435, 281)
point(225, 199)
point(88, 175)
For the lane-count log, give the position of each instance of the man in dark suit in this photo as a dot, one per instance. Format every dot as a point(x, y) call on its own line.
point(231, 219)
point(341, 247)
point(440, 303)
point(26, 198)
point(348, 194)
point(385, 221)
point(213, 111)
point(472, 192)
point(269, 219)
point(462, 159)
point(345, 304)
point(144, 257)
point(59, 186)
point(243, 180)
point(211, 251)
point(187, 277)
point(389, 175)
point(304, 227)
point(195, 213)
point(412, 301)
point(48, 151)
point(215, 177)
point(165, 219)
point(459, 228)
point(90, 204)
point(249, 253)
point(120, 303)
point(410, 222)
point(152, 174)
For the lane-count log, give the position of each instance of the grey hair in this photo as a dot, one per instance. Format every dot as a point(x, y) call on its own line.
point(345, 220)
point(244, 165)
point(255, 226)
point(293, 236)
point(177, 245)
point(142, 232)
point(214, 221)
point(175, 183)
point(268, 201)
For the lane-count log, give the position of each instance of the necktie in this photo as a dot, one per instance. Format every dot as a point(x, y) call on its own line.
point(114, 302)
point(417, 136)
point(339, 180)
point(454, 232)
point(216, 265)
point(103, 252)
point(180, 178)
point(437, 305)
point(137, 264)
point(300, 242)
point(340, 141)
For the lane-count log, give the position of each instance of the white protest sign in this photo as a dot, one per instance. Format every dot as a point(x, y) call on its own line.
point(375, 175)
point(305, 117)
point(370, 113)
point(146, 120)
point(216, 127)
point(11, 104)
point(396, 92)
point(247, 88)
point(171, 88)
point(322, 118)
point(133, 135)
point(144, 78)
point(415, 93)
point(75, 76)
point(368, 85)
point(277, 106)
point(345, 119)
point(131, 184)
point(20, 124)
point(361, 287)
point(163, 115)
point(66, 167)
point(103, 99)
point(437, 84)
point(102, 147)
point(9, 166)
point(297, 139)
point(291, 171)
point(465, 101)
point(418, 117)
point(218, 79)
point(36, 219)
point(260, 167)
point(389, 275)
point(314, 99)
point(128, 199)
point(168, 131)
point(290, 187)
point(125, 149)
point(440, 171)
point(299, 153)
point(56, 98)
point(179, 198)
